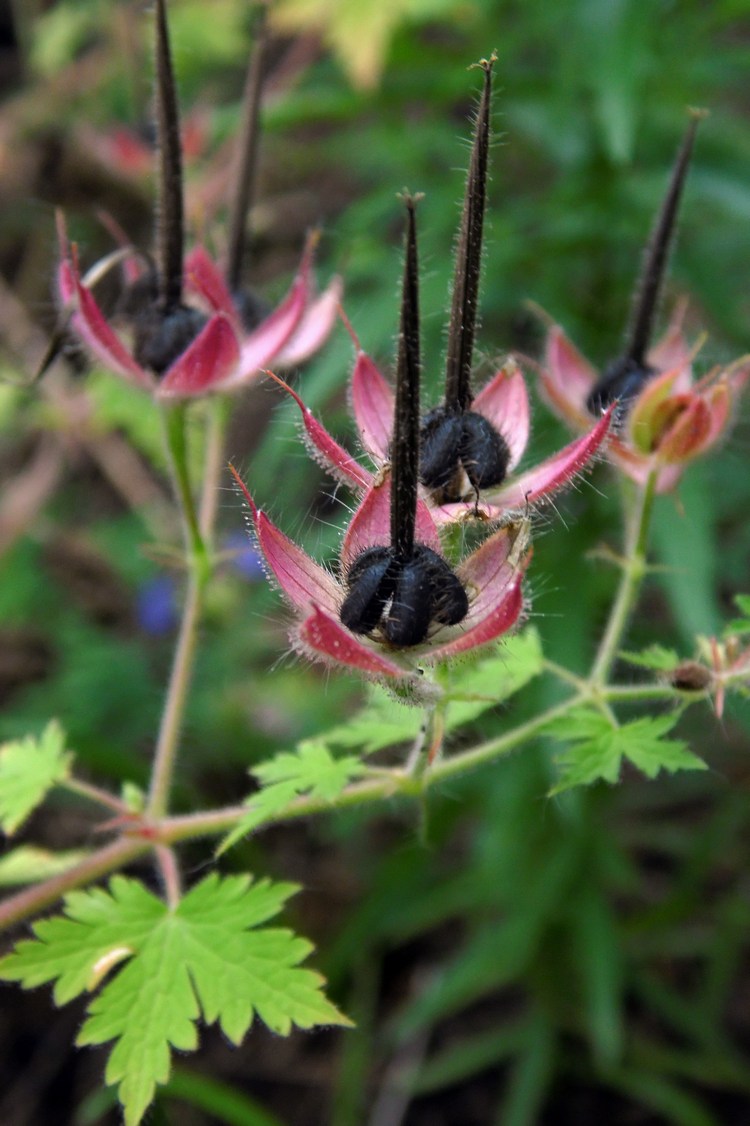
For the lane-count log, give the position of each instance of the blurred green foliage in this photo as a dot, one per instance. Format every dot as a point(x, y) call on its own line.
point(517, 954)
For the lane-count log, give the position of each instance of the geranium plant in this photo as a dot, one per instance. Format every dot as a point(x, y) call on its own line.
point(428, 603)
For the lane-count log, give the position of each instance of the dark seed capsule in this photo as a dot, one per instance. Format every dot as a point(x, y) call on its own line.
point(622, 380)
point(402, 596)
point(453, 440)
point(484, 452)
point(370, 586)
point(449, 601)
point(410, 612)
point(440, 448)
point(691, 677)
point(161, 336)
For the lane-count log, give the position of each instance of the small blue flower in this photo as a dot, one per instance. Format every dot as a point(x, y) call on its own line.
point(156, 605)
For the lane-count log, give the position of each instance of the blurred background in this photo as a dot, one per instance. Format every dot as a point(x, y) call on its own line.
point(509, 958)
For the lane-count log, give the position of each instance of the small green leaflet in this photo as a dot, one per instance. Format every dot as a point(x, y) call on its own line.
point(29, 768)
point(311, 769)
point(739, 625)
point(208, 958)
point(597, 749)
point(655, 657)
point(28, 864)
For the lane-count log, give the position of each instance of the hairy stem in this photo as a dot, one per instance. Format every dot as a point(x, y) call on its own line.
point(170, 874)
point(94, 794)
point(405, 455)
point(644, 311)
point(32, 900)
point(175, 432)
point(197, 531)
point(463, 318)
point(247, 169)
point(174, 705)
point(382, 786)
point(633, 571)
point(170, 217)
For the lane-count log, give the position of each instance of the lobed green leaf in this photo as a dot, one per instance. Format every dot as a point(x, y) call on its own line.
point(207, 958)
point(311, 769)
point(598, 747)
point(29, 768)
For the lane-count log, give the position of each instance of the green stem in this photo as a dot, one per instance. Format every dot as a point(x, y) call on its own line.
point(644, 692)
point(382, 785)
point(94, 794)
point(198, 531)
point(108, 859)
point(220, 408)
point(170, 874)
point(633, 571)
point(175, 432)
point(174, 705)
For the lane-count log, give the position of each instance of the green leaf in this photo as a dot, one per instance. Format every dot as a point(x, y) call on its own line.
point(29, 768)
point(598, 748)
point(208, 958)
point(312, 770)
point(617, 41)
point(476, 685)
point(490, 680)
point(29, 864)
point(739, 625)
point(655, 657)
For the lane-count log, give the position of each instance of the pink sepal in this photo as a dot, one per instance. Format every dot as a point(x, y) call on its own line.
point(327, 638)
point(314, 328)
point(96, 334)
point(262, 346)
point(643, 427)
point(554, 472)
point(300, 578)
point(490, 571)
point(205, 364)
point(567, 377)
point(372, 403)
point(203, 276)
point(325, 448)
point(371, 524)
point(504, 401)
point(720, 405)
point(66, 286)
point(500, 619)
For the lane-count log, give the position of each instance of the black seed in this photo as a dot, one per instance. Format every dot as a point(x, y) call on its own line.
point(370, 586)
point(161, 336)
point(440, 445)
point(403, 598)
point(622, 380)
point(691, 677)
point(451, 440)
point(409, 614)
point(484, 452)
point(449, 601)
